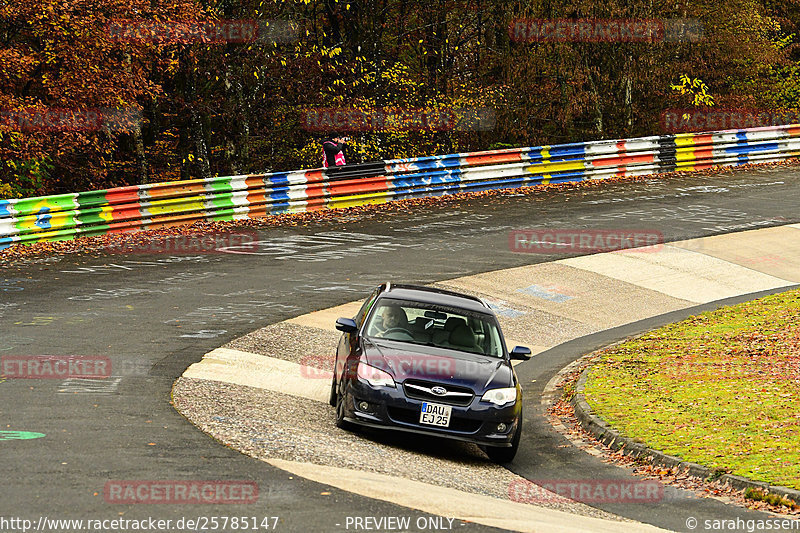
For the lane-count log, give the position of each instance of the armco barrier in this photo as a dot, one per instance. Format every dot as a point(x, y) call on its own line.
point(136, 207)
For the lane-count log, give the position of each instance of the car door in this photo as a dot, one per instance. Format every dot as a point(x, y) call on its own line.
point(348, 342)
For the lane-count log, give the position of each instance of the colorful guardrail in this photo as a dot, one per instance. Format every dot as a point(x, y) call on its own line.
point(138, 207)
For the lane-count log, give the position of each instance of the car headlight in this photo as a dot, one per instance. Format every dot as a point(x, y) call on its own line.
point(374, 376)
point(500, 396)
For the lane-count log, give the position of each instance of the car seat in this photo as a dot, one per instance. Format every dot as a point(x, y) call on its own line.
point(442, 336)
point(422, 329)
point(463, 338)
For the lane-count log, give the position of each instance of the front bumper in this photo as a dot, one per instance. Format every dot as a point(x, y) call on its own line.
point(390, 408)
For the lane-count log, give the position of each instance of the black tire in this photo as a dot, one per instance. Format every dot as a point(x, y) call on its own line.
point(332, 398)
point(341, 423)
point(505, 455)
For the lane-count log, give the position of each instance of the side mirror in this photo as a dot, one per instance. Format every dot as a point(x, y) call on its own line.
point(521, 353)
point(348, 325)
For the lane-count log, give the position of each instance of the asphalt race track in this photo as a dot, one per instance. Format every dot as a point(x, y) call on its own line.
point(152, 315)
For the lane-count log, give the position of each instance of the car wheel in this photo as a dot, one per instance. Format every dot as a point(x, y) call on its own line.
point(505, 455)
point(340, 421)
point(332, 398)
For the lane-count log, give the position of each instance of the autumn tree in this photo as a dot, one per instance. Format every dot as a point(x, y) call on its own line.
point(178, 104)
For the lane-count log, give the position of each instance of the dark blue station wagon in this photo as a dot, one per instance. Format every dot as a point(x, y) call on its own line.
point(425, 360)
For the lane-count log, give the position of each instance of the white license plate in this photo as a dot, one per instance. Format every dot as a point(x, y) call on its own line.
point(435, 414)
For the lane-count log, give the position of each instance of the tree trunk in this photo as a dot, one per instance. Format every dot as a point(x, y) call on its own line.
point(184, 149)
point(141, 159)
point(594, 94)
point(628, 83)
point(138, 142)
point(237, 145)
point(200, 147)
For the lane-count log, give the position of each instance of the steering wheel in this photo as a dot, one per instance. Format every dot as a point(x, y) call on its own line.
point(403, 331)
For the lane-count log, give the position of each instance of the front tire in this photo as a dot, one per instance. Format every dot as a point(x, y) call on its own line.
point(332, 398)
point(341, 423)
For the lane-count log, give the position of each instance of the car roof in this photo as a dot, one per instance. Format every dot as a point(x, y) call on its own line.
point(433, 295)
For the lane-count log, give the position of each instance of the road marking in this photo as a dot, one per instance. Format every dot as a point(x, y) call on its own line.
point(261, 371)
point(205, 334)
point(443, 501)
point(20, 435)
point(680, 273)
point(326, 318)
point(89, 386)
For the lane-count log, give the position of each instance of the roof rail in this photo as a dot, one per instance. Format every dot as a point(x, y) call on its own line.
point(445, 291)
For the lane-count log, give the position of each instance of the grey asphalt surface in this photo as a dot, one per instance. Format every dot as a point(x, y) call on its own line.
point(154, 314)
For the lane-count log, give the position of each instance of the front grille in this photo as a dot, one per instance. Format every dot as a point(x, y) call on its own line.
point(421, 390)
point(411, 416)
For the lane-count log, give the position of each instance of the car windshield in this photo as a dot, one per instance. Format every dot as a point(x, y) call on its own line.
point(435, 325)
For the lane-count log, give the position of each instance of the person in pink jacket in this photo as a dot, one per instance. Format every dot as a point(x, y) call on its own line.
point(333, 151)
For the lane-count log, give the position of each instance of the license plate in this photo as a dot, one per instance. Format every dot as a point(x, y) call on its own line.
point(435, 414)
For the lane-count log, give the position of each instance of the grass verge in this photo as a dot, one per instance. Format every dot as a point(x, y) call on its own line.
point(721, 389)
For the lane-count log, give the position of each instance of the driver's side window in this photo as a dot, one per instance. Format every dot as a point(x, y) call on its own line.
point(389, 318)
point(376, 326)
point(364, 311)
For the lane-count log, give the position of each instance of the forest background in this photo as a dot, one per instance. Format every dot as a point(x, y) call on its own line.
point(104, 93)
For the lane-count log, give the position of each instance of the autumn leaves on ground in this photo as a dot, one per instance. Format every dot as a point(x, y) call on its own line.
point(719, 389)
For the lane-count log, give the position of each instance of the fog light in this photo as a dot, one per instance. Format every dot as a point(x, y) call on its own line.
point(501, 427)
point(364, 406)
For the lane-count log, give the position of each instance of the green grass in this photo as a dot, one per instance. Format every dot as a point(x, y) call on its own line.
point(772, 499)
point(721, 389)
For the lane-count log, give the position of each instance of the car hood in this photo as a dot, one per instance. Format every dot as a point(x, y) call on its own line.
point(427, 363)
